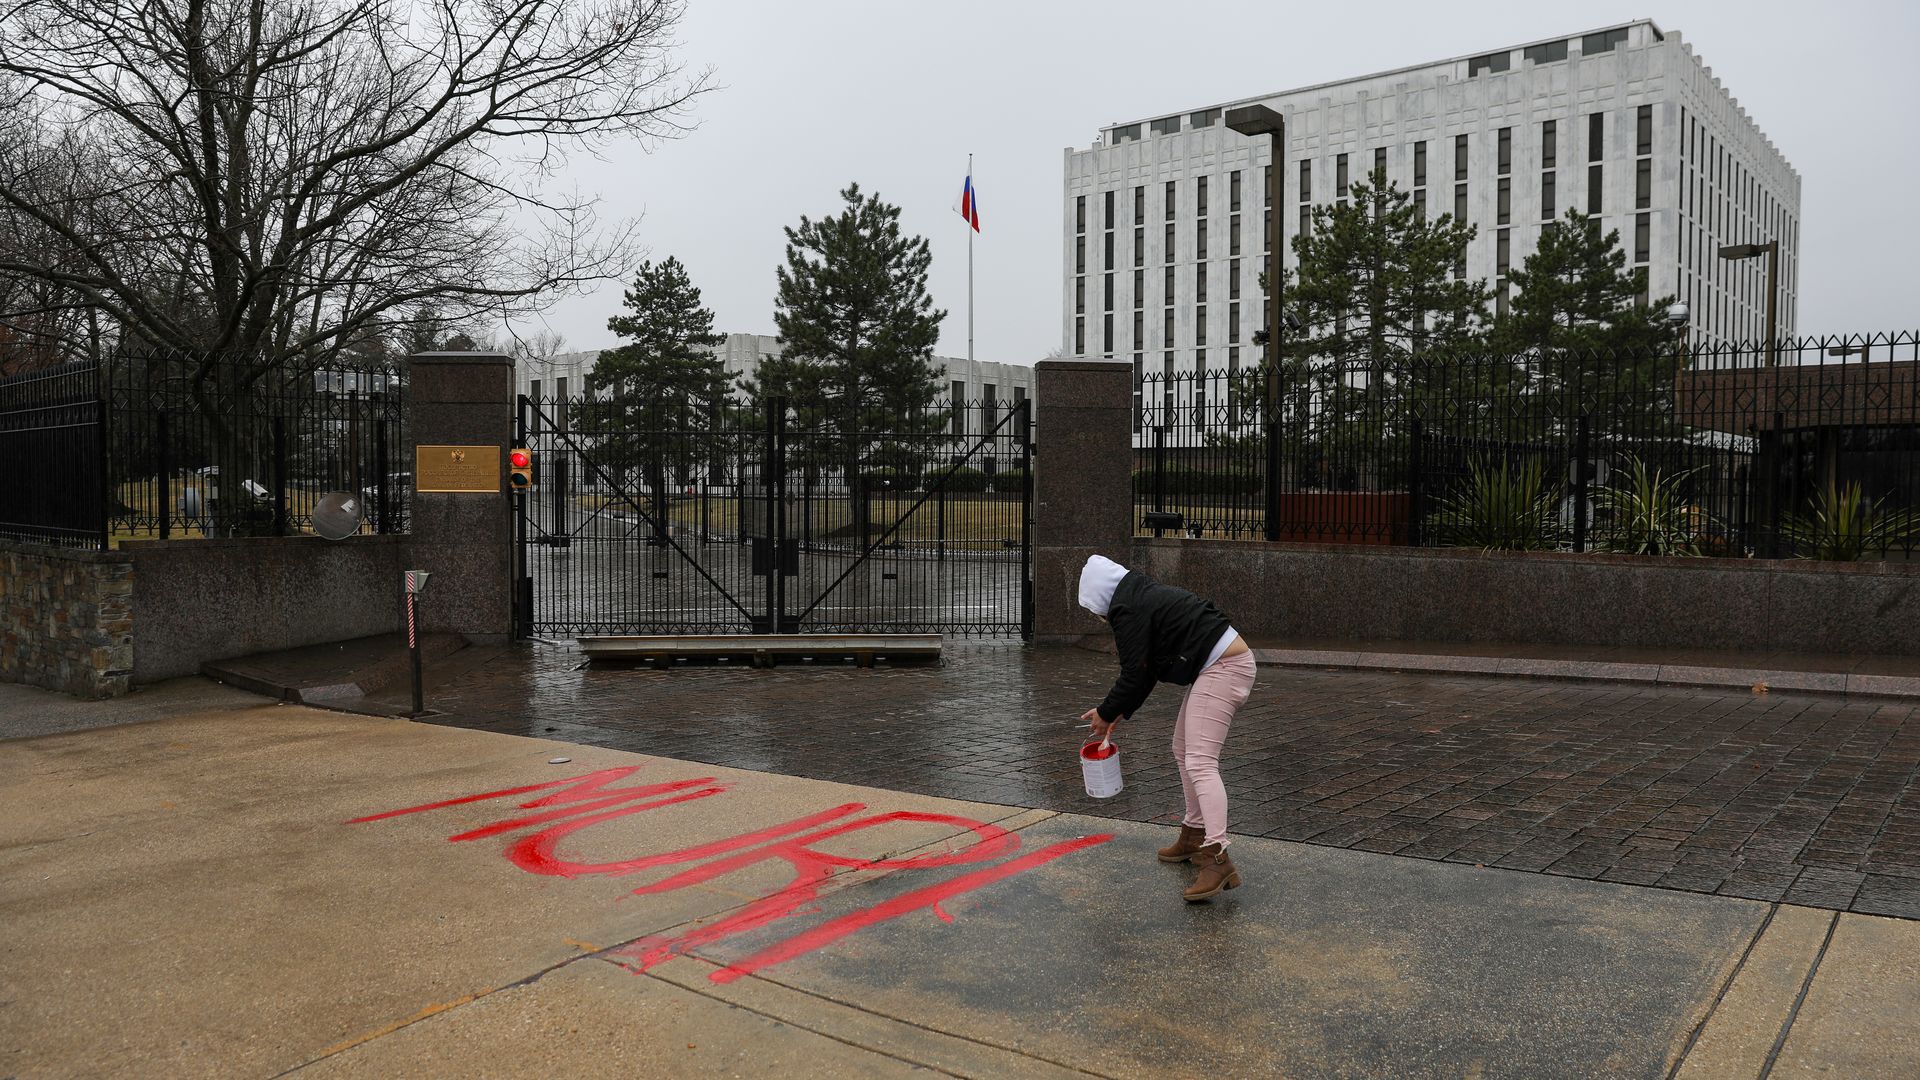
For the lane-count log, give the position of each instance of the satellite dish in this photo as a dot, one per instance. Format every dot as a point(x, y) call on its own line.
point(338, 515)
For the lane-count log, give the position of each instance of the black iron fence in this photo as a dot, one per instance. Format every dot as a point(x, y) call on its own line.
point(1809, 449)
point(162, 447)
point(646, 516)
point(51, 442)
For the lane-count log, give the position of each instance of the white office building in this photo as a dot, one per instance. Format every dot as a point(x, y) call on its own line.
point(1165, 229)
point(972, 381)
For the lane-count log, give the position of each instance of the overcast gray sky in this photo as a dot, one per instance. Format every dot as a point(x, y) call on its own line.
point(816, 93)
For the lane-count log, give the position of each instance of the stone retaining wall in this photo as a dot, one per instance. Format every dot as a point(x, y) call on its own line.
point(1341, 592)
point(66, 619)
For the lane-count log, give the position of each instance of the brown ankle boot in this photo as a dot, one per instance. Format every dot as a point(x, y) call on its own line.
point(1216, 873)
point(1183, 848)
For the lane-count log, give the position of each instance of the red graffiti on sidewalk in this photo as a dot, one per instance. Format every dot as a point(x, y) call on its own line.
point(584, 801)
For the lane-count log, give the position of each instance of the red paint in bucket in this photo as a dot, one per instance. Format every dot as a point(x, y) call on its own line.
point(1095, 751)
point(1100, 768)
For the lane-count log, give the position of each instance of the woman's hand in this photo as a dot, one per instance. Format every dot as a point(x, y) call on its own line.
point(1101, 728)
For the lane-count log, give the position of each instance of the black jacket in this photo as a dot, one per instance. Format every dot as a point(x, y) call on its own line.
point(1164, 634)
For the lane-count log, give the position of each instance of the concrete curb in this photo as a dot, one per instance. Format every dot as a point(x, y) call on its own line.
point(1724, 678)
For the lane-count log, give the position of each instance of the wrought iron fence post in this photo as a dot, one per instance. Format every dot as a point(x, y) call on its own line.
point(1793, 480)
point(279, 476)
point(103, 483)
point(940, 526)
point(166, 474)
point(1159, 471)
point(1416, 433)
point(380, 474)
point(523, 568)
point(1580, 451)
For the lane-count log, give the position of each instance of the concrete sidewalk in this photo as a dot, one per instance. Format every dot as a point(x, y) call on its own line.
point(269, 890)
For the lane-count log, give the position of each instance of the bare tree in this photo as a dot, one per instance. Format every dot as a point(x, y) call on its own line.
point(280, 181)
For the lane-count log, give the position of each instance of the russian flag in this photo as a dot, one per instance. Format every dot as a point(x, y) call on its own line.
point(969, 205)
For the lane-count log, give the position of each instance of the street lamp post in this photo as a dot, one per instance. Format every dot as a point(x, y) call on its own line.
point(1255, 120)
point(1771, 249)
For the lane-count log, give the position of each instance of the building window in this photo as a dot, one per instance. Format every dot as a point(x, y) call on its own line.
point(1233, 235)
point(1169, 299)
point(1642, 237)
point(1460, 203)
point(1173, 190)
point(1595, 44)
point(1500, 61)
point(1545, 54)
point(1549, 135)
point(1420, 202)
point(1200, 325)
point(1380, 160)
point(1505, 154)
point(1233, 192)
point(1200, 187)
point(1106, 335)
point(1080, 295)
point(1080, 254)
point(1126, 134)
point(1306, 219)
point(1204, 118)
point(1546, 196)
point(1340, 176)
point(1166, 327)
point(1266, 185)
point(1139, 288)
point(1504, 195)
point(1420, 163)
point(1502, 251)
point(1500, 299)
point(1139, 204)
point(1080, 214)
point(1233, 322)
point(1233, 280)
point(1080, 336)
point(1169, 242)
point(1596, 136)
point(1108, 246)
point(1200, 240)
point(1643, 184)
point(1306, 180)
point(1139, 328)
point(1109, 209)
point(1594, 189)
point(1109, 291)
point(1643, 130)
point(957, 392)
point(1200, 283)
point(1166, 126)
point(1139, 246)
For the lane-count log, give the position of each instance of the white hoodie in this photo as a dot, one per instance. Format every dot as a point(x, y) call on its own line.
point(1098, 580)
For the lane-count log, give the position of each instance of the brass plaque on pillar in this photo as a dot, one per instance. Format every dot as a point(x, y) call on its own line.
point(457, 468)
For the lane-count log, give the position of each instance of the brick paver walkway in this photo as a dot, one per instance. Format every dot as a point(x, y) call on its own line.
point(1803, 798)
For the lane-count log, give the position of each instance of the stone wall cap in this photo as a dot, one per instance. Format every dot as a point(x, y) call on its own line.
point(1678, 563)
point(62, 554)
point(461, 358)
point(229, 543)
point(1083, 364)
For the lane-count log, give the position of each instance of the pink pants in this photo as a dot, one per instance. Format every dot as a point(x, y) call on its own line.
point(1199, 734)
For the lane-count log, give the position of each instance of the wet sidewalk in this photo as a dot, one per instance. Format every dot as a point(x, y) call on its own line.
point(270, 890)
point(1806, 798)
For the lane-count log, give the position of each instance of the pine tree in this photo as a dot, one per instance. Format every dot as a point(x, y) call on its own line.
point(1382, 315)
point(664, 392)
point(1576, 316)
point(1374, 284)
point(857, 330)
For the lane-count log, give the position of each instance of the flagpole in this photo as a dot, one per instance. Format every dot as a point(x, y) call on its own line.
point(970, 230)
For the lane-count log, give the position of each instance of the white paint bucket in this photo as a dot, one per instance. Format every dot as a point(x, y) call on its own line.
point(1100, 768)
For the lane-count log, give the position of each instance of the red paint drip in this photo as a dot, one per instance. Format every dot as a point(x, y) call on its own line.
point(942, 913)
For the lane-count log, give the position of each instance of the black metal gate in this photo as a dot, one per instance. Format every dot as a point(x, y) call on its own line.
point(774, 519)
